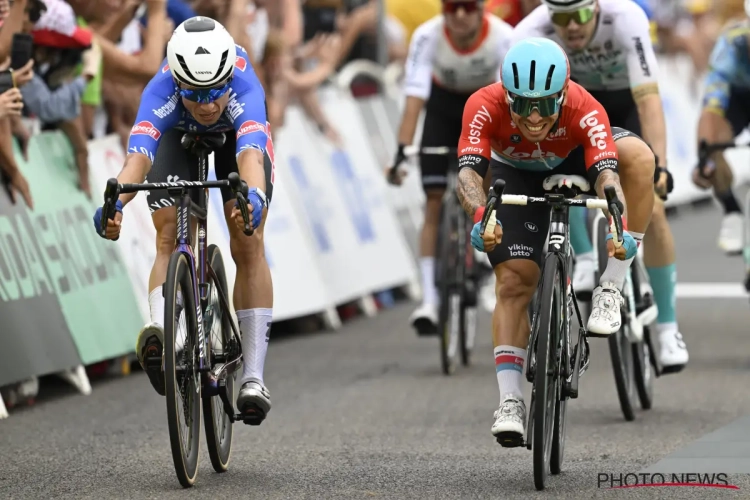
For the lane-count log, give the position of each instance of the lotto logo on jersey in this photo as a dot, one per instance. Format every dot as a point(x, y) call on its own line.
point(146, 128)
point(597, 132)
point(165, 68)
point(249, 127)
point(240, 63)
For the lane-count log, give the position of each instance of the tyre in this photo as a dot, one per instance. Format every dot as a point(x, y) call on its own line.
point(218, 330)
point(470, 298)
point(449, 288)
point(620, 351)
point(182, 379)
point(546, 378)
point(645, 372)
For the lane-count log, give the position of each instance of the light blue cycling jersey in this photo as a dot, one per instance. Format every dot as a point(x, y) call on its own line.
point(161, 109)
point(729, 66)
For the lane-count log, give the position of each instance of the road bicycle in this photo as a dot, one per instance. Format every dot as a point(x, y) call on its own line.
point(558, 364)
point(705, 150)
point(202, 344)
point(456, 273)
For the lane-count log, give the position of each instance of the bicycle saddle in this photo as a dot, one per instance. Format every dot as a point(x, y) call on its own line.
point(203, 142)
point(561, 181)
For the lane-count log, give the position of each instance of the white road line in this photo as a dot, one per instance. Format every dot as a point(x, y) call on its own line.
point(711, 291)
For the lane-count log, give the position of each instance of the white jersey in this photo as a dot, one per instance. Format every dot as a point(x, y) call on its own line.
point(620, 56)
point(432, 56)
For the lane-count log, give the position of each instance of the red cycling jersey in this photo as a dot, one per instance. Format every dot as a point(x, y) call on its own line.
point(488, 131)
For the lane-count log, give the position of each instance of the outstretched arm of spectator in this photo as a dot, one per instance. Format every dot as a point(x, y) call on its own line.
point(327, 54)
point(50, 106)
point(12, 177)
point(311, 105)
point(12, 25)
point(115, 25)
point(142, 67)
point(73, 129)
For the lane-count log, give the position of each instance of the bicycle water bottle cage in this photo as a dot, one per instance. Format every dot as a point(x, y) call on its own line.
point(203, 142)
point(569, 185)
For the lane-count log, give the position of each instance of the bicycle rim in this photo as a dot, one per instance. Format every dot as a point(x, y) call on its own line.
point(546, 375)
point(217, 424)
point(561, 403)
point(449, 324)
point(643, 369)
point(622, 364)
point(181, 370)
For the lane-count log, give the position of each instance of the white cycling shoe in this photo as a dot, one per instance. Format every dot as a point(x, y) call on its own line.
point(583, 275)
point(605, 318)
point(673, 354)
point(425, 319)
point(731, 233)
point(510, 421)
point(253, 402)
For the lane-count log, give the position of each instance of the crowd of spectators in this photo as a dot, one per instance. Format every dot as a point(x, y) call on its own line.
point(91, 59)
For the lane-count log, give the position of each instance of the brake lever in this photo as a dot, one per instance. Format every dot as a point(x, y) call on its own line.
point(111, 193)
point(615, 212)
point(489, 219)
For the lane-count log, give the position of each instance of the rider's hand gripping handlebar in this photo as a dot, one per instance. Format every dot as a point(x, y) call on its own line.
point(111, 193)
point(616, 209)
point(239, 188)
point(489, 219)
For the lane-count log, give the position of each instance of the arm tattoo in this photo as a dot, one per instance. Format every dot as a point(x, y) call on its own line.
point(611, 178)
point(470, 191)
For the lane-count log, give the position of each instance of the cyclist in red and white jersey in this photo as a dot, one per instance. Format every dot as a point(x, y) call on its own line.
point(450, 57)
point(533, 124)
point(609, 46)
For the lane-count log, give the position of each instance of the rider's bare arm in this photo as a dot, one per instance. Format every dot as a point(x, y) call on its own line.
point(611, 178)
point(651, 115)
point(137, 167)
point(470, 190)
point(250, 165)
point(409, 119)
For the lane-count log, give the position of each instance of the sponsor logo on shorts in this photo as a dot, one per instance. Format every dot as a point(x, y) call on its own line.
point(146, 128)
point(515, 138)
point(481, 117)
point(240, 63)
point(597, 131)
point(517, 250)
point(531, 227)
point(606, 163)
point(249, 127)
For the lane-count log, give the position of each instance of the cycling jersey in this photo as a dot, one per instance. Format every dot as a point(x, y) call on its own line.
point(729, 66)
point(161, 110)
point(434, 58)
point(488, 131)
point(620, 55)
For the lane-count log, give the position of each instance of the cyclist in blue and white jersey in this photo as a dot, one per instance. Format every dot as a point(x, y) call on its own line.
point(725, 114)
point(608, 43)
point(206, 85)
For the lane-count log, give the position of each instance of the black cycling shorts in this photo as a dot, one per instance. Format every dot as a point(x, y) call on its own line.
point(620, 107)
point(525, 227)
point(173, 163)
point(442, 128)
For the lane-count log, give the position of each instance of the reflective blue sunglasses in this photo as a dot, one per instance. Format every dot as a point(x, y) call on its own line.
point(204, 96)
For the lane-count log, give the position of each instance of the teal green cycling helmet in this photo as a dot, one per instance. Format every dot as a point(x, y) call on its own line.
point(534, 68)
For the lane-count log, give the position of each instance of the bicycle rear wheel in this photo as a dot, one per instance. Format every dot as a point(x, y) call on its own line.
point(182, 378)
point(619, 346)
point(470, 297)
point(450, 318)
point(547, 373)
point(217, 321)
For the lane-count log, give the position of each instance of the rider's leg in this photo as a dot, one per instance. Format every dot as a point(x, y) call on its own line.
point(583, 277)
point(659, 257)
point(636, 173)
point(713, 127)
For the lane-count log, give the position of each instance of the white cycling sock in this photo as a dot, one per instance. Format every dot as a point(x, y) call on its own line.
point(156, 306)
point(429, 292)
point(255, 326)
point(509, 363)
point(617, 269)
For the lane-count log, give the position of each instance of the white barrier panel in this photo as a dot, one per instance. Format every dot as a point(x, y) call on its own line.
point(137, 236)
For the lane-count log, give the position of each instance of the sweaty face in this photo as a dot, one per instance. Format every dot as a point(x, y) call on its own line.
point(206, 114)
point(578, 28)
point(463, 18)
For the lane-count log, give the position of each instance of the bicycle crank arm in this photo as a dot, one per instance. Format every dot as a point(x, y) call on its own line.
point(647, 317)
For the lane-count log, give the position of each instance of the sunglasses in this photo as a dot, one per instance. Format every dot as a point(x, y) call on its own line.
point(205, 96)
point(452, 7)
point(581, 16)
point(524, 106)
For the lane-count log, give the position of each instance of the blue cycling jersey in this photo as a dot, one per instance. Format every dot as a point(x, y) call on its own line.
point(161, 109)
point(729, 66)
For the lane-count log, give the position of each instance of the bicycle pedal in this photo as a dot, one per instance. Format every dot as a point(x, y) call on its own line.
point(589, 333)
point(509, 440)
point(251, 414)
point(666, 370)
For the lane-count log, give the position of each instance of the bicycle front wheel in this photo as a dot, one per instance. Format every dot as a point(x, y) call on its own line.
point(217, 424)
point(450, 318)
point(547, 372)
point(182, 379)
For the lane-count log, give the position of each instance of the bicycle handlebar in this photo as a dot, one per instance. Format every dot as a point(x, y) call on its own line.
point(114, 190)
point(612, 203)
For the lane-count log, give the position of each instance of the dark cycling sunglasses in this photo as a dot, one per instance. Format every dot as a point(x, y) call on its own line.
point(452, 7)
point(581, 16)
point(524, 106)
point(205, 96)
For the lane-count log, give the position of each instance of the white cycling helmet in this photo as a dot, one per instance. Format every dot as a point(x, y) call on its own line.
point(570, 5)
point(201, 53)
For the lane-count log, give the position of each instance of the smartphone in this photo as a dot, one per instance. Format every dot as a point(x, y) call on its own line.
point(21, 50)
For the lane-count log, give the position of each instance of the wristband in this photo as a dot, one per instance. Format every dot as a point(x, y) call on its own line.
point(478, 215)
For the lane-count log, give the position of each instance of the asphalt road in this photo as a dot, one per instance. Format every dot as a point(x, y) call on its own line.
point(365, 413)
